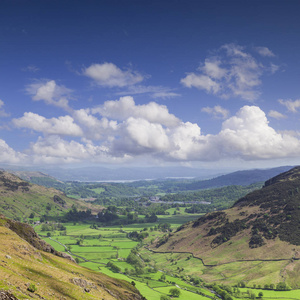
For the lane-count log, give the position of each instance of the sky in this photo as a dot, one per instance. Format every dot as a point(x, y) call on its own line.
point(206, 84)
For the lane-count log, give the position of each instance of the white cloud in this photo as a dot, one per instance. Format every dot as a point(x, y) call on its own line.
point(54, 149)
point(9, 155)
point(264, 51)
point(30, 68)
point(212, 68)
point(63, 125)
point(202, 82)
point(217, 111)
point(233, 73)
point(108, 74)
point(125, 108)
point(94, 128)
point(290, 104)
point(276, 115)
point(126, 131)
point(154, 91)
point(165, 95)
point(50, 93)
point(274, 68)
point(139, 136)
point(2, 111)
point(249, 136)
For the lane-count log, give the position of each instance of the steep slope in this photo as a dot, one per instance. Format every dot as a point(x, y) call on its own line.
point(19, 199)
point(27, 272)
point(262, 226)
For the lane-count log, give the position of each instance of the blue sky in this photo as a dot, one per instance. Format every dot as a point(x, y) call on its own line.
point(211, 84)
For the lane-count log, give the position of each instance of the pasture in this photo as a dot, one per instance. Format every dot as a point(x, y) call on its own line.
point(94, 248)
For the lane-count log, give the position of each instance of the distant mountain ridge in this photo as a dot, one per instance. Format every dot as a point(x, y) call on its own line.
point(124, 173)
point(244, 178)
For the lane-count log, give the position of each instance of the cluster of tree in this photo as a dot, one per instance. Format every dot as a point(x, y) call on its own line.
point(281, 286)
point(136, 236)
point(219, 198)
point(224, 291)
point(134, 260)
point(108, 215)
point(113, 267)
point(77, 215)
point(52, 226)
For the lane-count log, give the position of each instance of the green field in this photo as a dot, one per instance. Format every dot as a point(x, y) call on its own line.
point(99, 246)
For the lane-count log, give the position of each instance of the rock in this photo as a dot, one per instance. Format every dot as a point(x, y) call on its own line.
point(4, 295)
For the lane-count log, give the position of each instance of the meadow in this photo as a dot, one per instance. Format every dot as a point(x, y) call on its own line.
point(96, 248)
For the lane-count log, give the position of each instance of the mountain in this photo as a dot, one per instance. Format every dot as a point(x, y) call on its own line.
point(19, 199)
point(129, 173)
point(29, 269)
point(244, 178)
point(261, 229)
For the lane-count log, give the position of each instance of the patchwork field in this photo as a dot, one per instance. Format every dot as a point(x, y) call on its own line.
point(96, 248)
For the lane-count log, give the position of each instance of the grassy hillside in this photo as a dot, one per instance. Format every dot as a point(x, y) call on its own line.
point(262, 229)
point(27, 272)
point(19, 199)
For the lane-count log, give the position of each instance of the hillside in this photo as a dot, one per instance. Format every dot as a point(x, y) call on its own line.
point(29, 272)
point(261, 227)
point(19, 199)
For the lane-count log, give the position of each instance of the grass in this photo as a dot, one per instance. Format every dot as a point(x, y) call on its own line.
point(114, 244)
point(22, 265)
point(98, 190)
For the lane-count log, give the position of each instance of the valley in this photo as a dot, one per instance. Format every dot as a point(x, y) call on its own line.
point(163, 238)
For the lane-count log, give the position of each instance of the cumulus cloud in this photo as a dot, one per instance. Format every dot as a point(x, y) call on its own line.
point(202, 82)
point(54, 149)
point(232, 73)
point(108, 74)
point(120, 131)
point(9, 155)
point(125, 108)
point(50, 93)
point(276, 115)
point(291, 105)
point(249, 136)
point(217, 111)
point(63, 125)
point(94, 128)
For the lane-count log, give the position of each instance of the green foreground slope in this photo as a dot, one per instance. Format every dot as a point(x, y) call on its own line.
point(27, 272)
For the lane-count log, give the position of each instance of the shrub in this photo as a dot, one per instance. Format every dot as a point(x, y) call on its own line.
point(32, 288)
point(174, 292)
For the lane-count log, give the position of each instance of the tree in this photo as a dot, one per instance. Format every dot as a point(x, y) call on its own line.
point(174, 292)
point(164, 297)
point(260, 294)
point(282, 286)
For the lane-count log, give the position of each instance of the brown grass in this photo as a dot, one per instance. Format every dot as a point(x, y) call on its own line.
point(55, 277)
